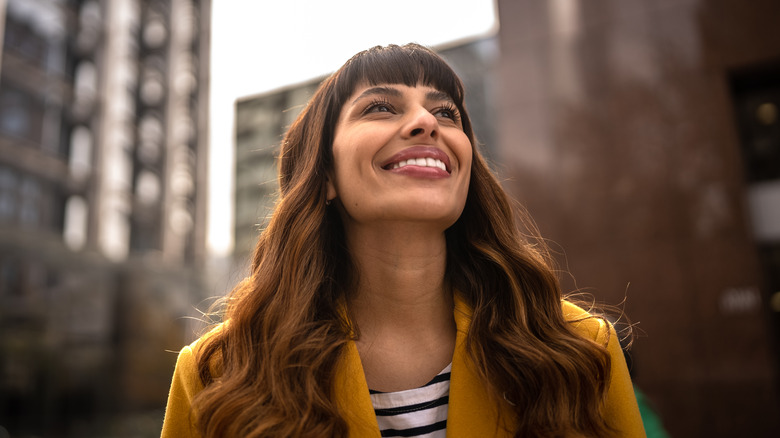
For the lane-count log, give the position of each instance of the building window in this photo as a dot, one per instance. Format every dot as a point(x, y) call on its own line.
point(21, 114)
point(30, 204)
point(9, 183)
point(22, 39)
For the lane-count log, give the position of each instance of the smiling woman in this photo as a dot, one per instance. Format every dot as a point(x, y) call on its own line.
point(392, 293)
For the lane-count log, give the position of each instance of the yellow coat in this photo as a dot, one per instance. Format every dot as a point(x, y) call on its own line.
point(470, 412)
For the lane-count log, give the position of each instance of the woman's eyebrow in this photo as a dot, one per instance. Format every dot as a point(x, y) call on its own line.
point(433, 95)
point(437, 95)
point(373, 91)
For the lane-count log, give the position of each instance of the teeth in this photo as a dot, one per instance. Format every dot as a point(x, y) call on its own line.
point(422, 162)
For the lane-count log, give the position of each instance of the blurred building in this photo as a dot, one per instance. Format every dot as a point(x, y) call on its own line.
point(262, 120)
point(103, 144)
point(644, 138)
point(260, 124)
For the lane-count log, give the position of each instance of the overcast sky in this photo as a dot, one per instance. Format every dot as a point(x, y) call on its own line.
point(261, 45)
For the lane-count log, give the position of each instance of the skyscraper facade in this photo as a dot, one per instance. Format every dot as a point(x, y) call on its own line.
point(103, 141)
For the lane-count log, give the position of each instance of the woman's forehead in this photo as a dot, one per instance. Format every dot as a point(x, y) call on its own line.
point(395, 89)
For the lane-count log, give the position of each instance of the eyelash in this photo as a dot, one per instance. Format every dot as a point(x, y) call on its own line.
point(448, 107)
point(377, 103)
point(452, 109)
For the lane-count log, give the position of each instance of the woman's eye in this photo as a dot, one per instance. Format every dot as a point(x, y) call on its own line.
point(448, 113)
point(378, 107)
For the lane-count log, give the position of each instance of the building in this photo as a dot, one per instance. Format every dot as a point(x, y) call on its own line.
point(103, 140)
point(261, 122)
point(644, 139)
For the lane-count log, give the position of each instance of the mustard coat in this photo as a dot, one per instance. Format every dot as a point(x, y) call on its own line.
point(470, 413)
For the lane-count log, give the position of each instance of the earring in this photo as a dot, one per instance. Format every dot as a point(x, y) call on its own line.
point(327, 202)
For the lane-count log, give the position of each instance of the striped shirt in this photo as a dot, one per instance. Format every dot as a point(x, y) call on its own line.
point(419, 412)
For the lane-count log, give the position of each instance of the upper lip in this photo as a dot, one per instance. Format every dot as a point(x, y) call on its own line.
point(419, 152)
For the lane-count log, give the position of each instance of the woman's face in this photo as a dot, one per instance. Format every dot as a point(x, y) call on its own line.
point(400, 154)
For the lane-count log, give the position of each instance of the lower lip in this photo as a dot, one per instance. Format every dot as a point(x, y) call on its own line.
point(421, 172)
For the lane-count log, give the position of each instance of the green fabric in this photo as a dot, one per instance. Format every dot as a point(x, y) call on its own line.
point(652, 422)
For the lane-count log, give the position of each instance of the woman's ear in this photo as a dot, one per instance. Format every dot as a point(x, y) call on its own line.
point(331, 192)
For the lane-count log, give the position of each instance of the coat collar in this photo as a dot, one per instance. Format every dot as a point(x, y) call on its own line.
point(471, 411)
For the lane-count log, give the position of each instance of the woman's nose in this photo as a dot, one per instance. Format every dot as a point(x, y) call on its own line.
point(421, 123)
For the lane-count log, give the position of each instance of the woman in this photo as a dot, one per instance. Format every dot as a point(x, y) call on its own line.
point(393, 290)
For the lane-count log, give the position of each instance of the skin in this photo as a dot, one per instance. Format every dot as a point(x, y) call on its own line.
point(395, 218)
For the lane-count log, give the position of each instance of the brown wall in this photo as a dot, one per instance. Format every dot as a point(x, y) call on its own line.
point(617, 132)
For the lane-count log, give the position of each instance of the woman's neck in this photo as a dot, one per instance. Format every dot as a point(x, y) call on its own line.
point(401, 271)
point(403, 307)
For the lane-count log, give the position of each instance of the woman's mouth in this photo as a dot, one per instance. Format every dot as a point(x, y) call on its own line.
point(421, 157)
point(421, 162)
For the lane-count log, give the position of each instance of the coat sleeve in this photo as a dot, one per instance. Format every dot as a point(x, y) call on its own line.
point(185, 384)
point(621, 407)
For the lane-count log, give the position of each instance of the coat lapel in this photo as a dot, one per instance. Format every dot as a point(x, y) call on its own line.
point(352, 395)
point(471, 410)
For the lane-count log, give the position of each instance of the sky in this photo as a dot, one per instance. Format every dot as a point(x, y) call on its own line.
point(259, 46)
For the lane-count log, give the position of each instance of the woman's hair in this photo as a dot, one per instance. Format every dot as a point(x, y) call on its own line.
point(269, 369)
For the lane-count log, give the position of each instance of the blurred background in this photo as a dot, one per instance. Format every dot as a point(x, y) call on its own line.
point(136, 165)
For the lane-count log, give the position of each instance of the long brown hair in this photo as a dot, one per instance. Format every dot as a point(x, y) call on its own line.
point(268, 370)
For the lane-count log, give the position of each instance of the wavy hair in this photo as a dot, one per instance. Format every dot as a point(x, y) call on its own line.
point(286, 324)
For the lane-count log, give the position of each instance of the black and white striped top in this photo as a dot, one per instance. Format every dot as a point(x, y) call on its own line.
point(419, 412)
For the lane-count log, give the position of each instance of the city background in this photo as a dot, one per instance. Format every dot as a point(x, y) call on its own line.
point(642, 136)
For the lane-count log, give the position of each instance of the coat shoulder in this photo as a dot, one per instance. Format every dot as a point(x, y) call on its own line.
point(185, 385)
point(587, 324)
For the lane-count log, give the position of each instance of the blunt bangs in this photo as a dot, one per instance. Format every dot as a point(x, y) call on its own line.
point(409, 65)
